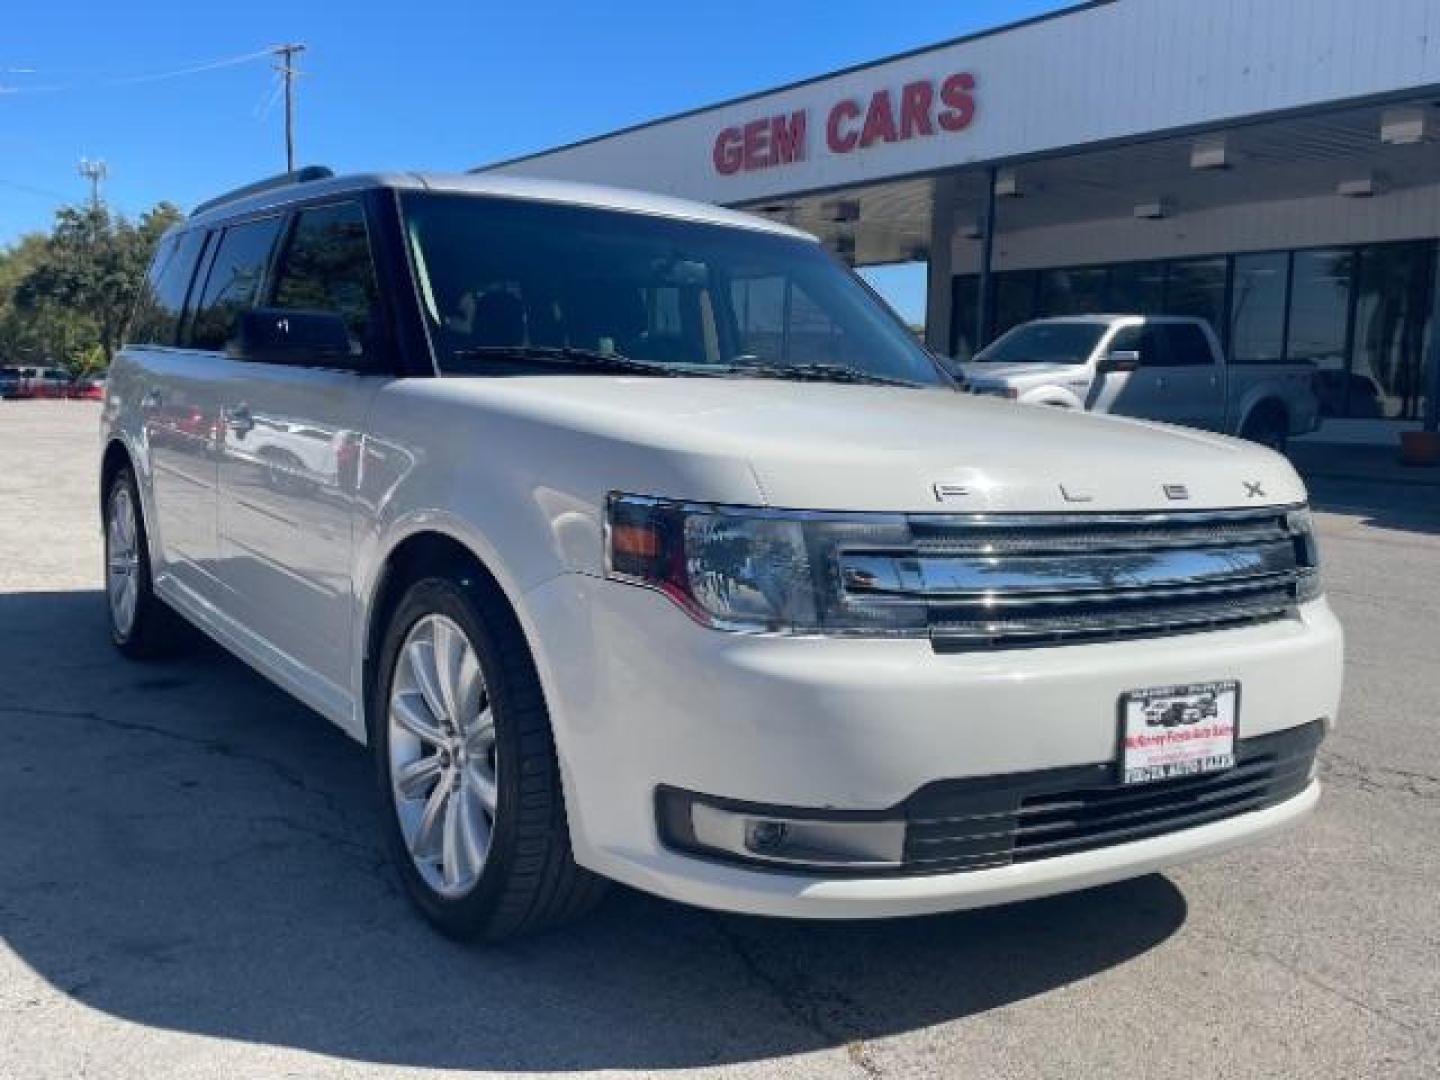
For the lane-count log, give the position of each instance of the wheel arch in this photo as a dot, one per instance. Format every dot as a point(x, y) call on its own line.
point(1054, 396)
point(115, 458)
point(1264, 403)
point(424, 550)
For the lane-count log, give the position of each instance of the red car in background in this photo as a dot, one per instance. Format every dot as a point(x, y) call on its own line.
point(87, 389)
point(49, 382)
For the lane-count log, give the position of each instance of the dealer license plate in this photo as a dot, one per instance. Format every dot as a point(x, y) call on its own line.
point(1174, 731)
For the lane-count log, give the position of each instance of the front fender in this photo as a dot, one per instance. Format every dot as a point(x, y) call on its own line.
point(1054, 396)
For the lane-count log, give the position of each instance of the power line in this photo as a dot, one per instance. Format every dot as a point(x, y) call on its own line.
point(101, 80)
point(30, 189)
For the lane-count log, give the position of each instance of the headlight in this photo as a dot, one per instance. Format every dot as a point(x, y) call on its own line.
point(1307, 555)
point(753, 570)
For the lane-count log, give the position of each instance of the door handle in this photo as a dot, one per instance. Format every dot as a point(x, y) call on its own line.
point(239, 420)
point(1160, 382)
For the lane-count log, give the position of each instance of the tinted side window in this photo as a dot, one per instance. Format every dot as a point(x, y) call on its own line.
point(157, 312)
point(233, 283)
point(1145, 340)
point(326, 266)
point(1189, 347)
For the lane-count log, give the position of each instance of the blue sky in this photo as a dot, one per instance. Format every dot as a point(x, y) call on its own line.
point(442, 85)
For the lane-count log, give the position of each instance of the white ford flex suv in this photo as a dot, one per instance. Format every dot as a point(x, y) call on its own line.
point(639, 541)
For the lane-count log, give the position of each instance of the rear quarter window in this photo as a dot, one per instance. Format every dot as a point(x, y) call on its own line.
point(156, 319)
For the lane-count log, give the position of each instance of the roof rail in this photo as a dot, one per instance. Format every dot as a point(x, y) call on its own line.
point(299, 176)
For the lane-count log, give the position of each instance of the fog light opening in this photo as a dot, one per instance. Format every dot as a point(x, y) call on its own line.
point(762, 836)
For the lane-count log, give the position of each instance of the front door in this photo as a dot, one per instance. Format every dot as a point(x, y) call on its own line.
point(292, 440)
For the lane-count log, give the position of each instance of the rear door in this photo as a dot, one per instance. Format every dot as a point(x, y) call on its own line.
point(290, 458)
point(176, 398)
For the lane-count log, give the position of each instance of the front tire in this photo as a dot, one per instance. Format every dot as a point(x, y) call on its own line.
point(466, 767)
point(1269, 426)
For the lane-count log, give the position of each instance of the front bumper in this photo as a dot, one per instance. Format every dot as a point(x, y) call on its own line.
point(644, 699)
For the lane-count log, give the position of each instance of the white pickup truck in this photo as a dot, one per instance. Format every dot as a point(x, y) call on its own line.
point(1160, 368)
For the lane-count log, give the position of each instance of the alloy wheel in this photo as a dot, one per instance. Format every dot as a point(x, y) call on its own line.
point(122, 560)
point(442, 755)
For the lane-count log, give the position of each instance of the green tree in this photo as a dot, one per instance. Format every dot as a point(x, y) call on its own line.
point(76, 288)
point(34, 335)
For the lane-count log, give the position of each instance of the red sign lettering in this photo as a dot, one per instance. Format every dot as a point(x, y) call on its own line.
point(781, 140)
point(759, 144)
point(840, 139)
point(957, 93)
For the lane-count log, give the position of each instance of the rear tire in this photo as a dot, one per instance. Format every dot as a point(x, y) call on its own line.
point(141, 625)
point(465, 761)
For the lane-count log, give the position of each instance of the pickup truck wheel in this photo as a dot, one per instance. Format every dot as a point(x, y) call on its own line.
point(1269, 426)
point(466, 764)
point(141, 625)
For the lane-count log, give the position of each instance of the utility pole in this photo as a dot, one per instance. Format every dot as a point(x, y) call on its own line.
point(285, 65)
point(95, 172)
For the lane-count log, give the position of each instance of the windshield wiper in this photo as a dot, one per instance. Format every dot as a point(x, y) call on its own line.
point(567, 356)
point(812, 373)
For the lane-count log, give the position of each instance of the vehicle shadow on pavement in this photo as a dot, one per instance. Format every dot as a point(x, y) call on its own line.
point(1399, 507)
point(185, 847)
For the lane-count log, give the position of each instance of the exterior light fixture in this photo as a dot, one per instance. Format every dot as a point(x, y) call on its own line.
point(1157, 209)
point(1362, 187)
point(1212, 152)
point(1007, 185)
point(1403, 127)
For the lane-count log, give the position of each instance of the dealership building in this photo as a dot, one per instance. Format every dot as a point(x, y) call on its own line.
point(1270, 165)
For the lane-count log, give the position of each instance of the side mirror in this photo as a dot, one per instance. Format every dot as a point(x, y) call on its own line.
point(1120, 360)
point(301, 338)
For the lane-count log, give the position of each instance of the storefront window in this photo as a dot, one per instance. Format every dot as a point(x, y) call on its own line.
point(1014, 300)
point(1072, 291)
point(964, 315)
point(1392, 313)
point(1319, 315)
point(1137, 288)
point(1257, 308)
point(1360, 315)
point(1196, 288)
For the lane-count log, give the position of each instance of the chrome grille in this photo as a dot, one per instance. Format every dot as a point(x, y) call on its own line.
point(1008, 581)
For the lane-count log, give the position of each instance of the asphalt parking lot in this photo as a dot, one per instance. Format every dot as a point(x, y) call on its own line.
point(191, 884)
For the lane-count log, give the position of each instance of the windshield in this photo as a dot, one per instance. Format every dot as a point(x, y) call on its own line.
point(506, 280)
point(1049, 343)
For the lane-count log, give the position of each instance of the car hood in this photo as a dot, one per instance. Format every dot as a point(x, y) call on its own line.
point(824, 446)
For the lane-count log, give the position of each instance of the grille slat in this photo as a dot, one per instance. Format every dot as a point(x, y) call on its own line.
point(1017, 581)
point(971, 824)
point(1158, 808)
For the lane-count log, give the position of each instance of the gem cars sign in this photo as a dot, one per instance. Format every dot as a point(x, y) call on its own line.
point(920, 110)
